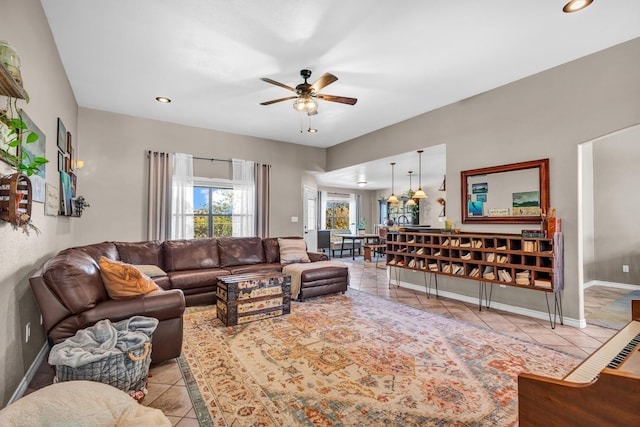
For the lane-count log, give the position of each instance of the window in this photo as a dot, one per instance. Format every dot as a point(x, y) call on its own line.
point(337, 215)
point(213, 208)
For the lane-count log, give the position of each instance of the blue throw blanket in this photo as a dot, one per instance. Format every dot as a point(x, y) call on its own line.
point(103, 340)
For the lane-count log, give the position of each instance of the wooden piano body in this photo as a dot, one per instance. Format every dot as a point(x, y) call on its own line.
point(593, 394)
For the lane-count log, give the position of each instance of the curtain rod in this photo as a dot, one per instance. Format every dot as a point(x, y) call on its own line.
point(212, 160)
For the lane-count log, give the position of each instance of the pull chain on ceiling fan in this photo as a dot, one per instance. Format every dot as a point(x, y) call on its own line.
point(306, 94)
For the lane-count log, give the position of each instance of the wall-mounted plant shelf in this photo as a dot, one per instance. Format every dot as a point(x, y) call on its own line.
point(15, 198)
point(8, 86)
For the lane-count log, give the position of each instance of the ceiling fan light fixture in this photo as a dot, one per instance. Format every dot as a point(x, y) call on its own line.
point(305, 104)
point(576, 5)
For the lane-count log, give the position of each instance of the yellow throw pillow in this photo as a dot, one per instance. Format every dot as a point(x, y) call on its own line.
point(292, 251)
point(124, 280)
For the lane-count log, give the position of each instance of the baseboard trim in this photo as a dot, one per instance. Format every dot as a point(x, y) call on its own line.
point(31, 372)
point(577, 323)
point(611, 285)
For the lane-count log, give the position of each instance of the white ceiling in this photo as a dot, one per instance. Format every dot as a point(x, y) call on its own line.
point(400, 59)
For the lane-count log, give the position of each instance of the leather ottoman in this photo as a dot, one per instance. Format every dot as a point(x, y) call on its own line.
point(323, 281)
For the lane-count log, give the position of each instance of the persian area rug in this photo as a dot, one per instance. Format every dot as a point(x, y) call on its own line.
point(616, 314)
point(356, 359)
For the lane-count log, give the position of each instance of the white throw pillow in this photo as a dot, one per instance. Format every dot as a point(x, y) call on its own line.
point(292, 251)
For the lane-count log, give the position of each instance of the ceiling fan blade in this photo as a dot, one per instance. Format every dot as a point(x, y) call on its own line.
point(325, 80)
point(273, 82)
point(341, 99)
point(277, 100)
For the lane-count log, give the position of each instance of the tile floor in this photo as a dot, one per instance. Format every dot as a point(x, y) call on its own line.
point(168, 392)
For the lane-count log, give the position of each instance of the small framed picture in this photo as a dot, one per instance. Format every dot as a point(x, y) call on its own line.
point(71, 162)
point(60, 161)
point(62, 136)
point(481, 197)
point(67, 164)
point(480, 187)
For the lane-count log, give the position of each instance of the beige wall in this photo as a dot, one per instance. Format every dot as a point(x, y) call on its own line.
point(25, 27)
point(114, 177)
point(543, 116)
point(616, 200)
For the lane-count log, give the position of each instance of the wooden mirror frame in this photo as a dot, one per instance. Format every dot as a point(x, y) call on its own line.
point(543, 175)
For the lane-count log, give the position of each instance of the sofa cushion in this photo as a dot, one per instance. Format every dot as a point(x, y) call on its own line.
point(293, 251)
point(240, 251)
point(97, 250)
point(272, 249)
point(149, 252)
point(124, 280)
point(194, 279)
point(74, 277)
point(192, 254)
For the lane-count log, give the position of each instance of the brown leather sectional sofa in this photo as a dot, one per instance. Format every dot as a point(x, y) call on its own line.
point(71, 295)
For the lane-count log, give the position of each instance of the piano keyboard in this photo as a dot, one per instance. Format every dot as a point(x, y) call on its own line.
point(624, 353)
point(611, 352)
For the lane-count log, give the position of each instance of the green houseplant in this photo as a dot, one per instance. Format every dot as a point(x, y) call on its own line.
point(14, 131)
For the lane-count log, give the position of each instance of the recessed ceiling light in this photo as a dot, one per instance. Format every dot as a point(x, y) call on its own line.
point(312, 130)
point(362, 183)
point(576, 5)
point(163, 99)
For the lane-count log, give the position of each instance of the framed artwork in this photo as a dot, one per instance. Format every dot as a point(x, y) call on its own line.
point(480, 187)
point(481, 197)
point(60, 161)
point(72, 162)
point(475, 208)
point(29, 151)
point(52, 200)
point(62, 136)
point(67, 164)
point(74, 182)
point(526, 199)
point(65, 193)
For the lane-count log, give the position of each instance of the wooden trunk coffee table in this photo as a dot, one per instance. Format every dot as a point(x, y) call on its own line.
point(247, 297)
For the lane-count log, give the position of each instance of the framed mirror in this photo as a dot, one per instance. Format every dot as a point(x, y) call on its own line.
point(509, 194)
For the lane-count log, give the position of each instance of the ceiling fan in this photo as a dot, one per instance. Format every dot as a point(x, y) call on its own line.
point(305, 93)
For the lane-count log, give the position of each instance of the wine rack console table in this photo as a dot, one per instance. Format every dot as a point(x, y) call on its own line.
point(506, 259)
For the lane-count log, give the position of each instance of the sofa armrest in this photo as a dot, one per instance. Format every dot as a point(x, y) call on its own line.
point(317, 256)
point(162, 305)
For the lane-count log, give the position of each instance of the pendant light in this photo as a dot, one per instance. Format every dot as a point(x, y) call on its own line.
point(420, 194)
point(392, 198)
point(410, 202)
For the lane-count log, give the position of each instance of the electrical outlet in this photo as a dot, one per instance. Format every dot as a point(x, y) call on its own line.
point(27, 332)
point(625, 268)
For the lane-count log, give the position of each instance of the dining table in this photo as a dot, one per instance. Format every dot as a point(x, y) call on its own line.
point(366, 237)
